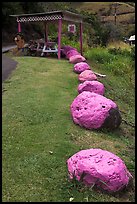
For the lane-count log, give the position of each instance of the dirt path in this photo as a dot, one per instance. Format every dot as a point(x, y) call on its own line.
point(8, 65)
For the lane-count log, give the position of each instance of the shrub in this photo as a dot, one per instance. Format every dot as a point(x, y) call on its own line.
point(100, 55)
point(119, 51)
point(66, 41)
point(117, 61)
point(133, 53)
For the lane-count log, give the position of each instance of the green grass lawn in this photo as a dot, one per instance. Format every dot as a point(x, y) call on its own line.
point(38, 134)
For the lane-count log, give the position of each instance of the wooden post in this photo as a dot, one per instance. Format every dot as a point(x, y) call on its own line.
point(115, 15)
point(19, 26)
point(81, 45)
point(59, 37)
point(115, 6)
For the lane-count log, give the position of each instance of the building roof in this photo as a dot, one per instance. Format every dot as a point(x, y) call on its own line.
point(47, 16)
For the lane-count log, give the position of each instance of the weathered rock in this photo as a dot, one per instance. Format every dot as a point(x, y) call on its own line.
point(71, 53)
point(99, 167)
point(92, 86)
point(87, 75)
point(80, 67)
point(94, 111)
point(76, 58)
point(66, 48)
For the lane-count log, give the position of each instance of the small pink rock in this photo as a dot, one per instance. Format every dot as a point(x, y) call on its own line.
point(99, 167)
point(66, 48)
point(92, 86)
point(76, 58)
point(87, 75)
point(94, 111)
point(80, 67)
point(71, 53)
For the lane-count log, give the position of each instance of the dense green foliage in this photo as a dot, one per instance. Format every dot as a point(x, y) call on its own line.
point(117, 61)
point(96, 33)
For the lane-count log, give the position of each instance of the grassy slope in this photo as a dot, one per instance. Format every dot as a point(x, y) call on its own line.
point(95, 7)
point(37, 120)
point(126, 13)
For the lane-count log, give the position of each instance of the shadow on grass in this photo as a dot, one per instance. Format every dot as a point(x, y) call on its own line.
point(94, 193)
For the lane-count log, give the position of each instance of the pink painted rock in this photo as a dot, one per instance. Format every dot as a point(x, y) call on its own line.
point(94, 111)
point(76, 58)
point(87, 75)
point(92, 86)
point(99, 167)
point(71, 53)
point(66, 48)
point(80, 67)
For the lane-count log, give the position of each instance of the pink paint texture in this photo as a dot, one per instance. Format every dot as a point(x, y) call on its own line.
point(67, 48)
point(76, 58)
point(80, 67)
point(99, 167)
point(90, 110)
point(87, 75)
point(71, 53)
point(92, 86)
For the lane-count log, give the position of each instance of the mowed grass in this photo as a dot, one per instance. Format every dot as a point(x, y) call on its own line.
point(38, 134)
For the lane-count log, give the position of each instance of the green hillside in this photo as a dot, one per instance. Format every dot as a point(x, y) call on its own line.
point(102, 7)
point(105, 11)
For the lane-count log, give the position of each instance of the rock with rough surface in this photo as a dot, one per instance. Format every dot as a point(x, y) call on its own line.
point(99, 167)
point(71, 53)
point(80, 67)
point(66, 48)
point(94, 111)
point(76, 58)
point(92, 86)
point(87, 75)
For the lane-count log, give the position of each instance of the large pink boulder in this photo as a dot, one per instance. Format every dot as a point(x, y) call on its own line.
point(99, 167)
point(80, 67)
point(92, 86)
point(87, 75)
point(76, 58)
point(94, 111)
